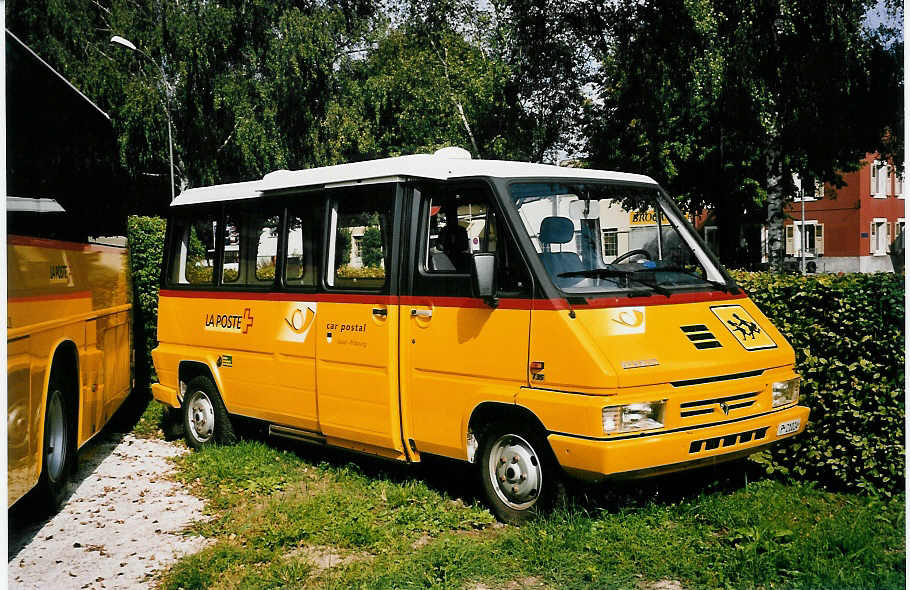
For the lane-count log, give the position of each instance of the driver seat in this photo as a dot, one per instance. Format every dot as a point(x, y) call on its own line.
point(559, 230)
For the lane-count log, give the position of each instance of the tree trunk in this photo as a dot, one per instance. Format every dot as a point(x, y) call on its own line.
point(776, 247)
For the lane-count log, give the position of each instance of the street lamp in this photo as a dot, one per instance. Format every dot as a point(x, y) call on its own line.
point(118, 40)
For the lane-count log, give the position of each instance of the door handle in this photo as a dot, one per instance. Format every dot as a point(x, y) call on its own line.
point(422, 313)
point(380, 312)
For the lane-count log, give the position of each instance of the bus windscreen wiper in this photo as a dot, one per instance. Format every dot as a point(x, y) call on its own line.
point(612, 271)
point(721, 286)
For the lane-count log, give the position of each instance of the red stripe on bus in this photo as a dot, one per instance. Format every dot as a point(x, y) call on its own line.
point(460, 302)
point(283, 296)
point(61, 245)
point(52, 296)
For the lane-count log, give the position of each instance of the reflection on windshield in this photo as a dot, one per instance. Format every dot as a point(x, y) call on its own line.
point(604, 238)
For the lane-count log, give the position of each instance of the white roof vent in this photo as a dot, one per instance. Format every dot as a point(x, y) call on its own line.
point(453, 153)
point(276, 174)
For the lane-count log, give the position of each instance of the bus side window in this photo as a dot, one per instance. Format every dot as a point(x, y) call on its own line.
point(461, 223)
point(194, 257)
point(359, 241)
point(250, 247)
point(303, 231)
point(230, 269)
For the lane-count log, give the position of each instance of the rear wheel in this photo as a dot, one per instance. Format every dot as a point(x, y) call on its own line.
point(57, 453)
point(518, 473)
point(205, 419)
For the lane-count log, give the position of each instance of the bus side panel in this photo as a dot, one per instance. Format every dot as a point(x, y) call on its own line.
point(114, 343)
point(18, 450)
point(267, 368)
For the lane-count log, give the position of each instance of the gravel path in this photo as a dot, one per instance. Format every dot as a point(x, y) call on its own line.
point(121, 524)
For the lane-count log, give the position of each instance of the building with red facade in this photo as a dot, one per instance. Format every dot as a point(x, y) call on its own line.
point(856, 228)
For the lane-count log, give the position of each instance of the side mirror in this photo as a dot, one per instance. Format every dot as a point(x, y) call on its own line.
point(483, 276)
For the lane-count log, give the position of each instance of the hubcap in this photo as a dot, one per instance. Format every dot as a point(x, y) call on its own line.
point(55, 452)
point(515, 471)
point(202, 416)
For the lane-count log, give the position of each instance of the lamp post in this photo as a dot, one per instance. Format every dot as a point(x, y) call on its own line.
point(118, 40)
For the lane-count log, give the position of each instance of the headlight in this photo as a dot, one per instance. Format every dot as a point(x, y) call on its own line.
point(634, 417)
point(784, 392)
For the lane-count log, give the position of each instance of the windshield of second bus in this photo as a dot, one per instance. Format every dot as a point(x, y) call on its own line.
point(594, 237)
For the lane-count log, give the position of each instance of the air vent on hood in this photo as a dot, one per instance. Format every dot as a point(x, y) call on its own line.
point(700, 336)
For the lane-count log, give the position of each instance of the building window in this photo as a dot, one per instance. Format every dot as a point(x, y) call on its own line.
point(711, 238)
point(899, 184)
point(880, 177)
point(814, 236)
point(879, 236)
point(611, 243)
point(898, 245)
point(808, 188)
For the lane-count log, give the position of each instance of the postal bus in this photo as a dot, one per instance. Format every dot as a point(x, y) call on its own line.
point(534, 320)
point(69, 349)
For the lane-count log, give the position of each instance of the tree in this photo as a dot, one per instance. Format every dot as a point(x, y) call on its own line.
point(721, 100)
point(371, 247)
point(246, 83)
point(343, 243)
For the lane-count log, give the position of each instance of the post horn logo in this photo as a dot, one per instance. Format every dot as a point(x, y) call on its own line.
point(299, 319)
point(631, 318)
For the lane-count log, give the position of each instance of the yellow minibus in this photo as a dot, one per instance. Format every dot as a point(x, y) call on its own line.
point(534, 320)
point(69, 351)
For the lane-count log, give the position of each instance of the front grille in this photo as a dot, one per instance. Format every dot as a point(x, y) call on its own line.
point(700, 336)
point(714, 379)
point(725, 404)
point(728, 440)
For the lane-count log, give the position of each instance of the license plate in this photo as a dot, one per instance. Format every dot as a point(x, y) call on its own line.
point(788, 427)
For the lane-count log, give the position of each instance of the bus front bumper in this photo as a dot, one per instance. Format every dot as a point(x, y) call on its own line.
point(652, 453)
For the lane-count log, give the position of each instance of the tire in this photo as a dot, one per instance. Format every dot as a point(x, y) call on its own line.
point(58, 452)
point(519, 475)
point(205, 419)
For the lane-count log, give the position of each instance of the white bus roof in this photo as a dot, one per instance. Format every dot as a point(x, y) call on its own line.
point(446, 164)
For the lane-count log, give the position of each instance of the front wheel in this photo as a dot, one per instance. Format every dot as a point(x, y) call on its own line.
point(205, 419)
point(57, 452)
point(518, 473)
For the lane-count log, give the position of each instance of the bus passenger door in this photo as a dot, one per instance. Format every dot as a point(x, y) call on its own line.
point(456, 350)
point(357, 322)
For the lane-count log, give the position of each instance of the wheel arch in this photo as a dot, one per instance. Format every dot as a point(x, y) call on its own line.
point(487, 413)
point(65, 357)
point(190, 369)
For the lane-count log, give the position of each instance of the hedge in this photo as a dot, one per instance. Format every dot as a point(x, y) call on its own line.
point(848, 334)
point(145, 236)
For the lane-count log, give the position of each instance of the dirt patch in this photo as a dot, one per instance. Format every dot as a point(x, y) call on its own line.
point(323, 557)
point(529, 583)
point(121, 524)
point(660, 585)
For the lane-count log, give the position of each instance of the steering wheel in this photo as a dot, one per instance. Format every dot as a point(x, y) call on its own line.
point(630, 254)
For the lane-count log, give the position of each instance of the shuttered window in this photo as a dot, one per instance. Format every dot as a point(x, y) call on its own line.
point(880, 178)
point(879, 236)
point(819, 239)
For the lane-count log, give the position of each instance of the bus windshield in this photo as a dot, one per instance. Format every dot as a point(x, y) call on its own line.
point(602, 237)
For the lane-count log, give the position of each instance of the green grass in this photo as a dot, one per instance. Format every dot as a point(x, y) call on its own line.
point(401, 528)
point(149, 423)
